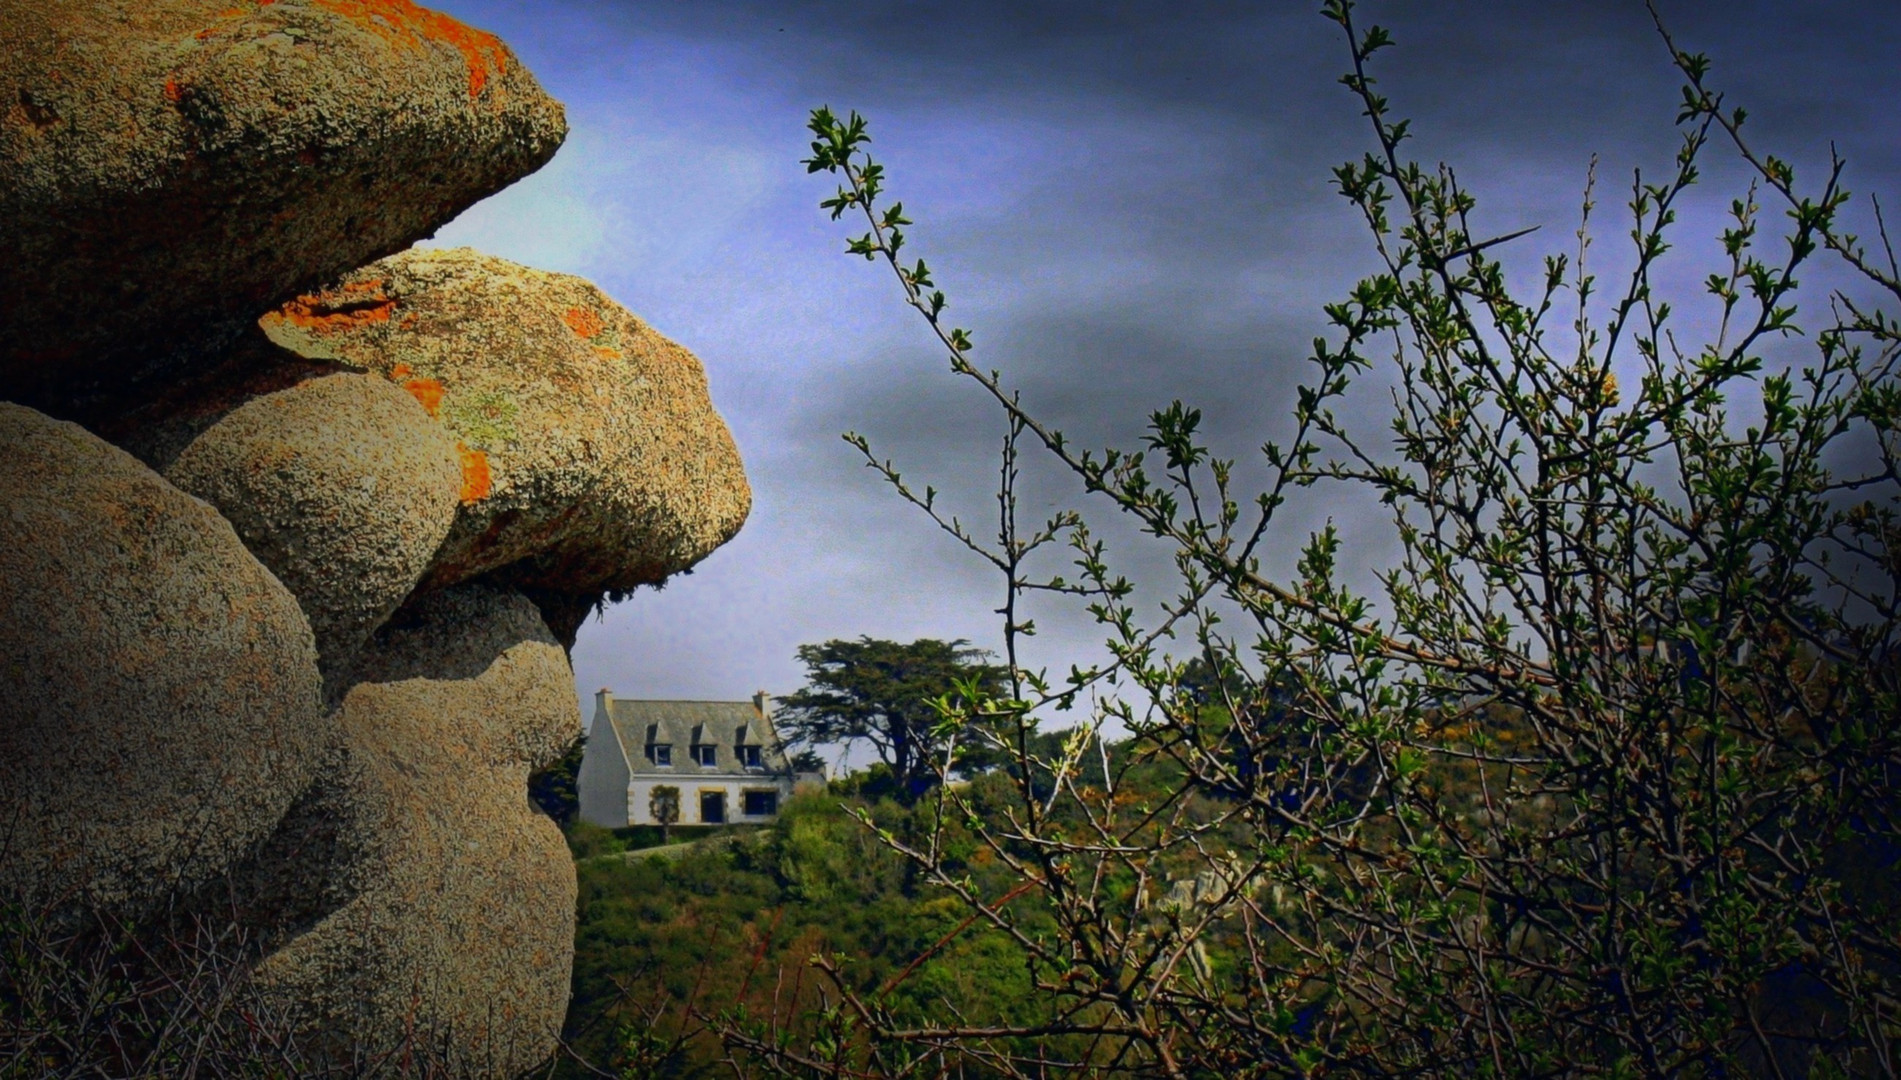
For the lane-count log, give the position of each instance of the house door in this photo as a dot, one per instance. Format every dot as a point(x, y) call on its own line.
point(712, 807)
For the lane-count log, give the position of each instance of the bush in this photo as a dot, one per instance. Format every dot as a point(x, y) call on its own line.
point(666, 946)
point(1601, 779)
point(587, 841)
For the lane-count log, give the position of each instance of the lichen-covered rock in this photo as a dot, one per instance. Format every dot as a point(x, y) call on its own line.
point(593, 458)
point(414, 893)
point(159, 694)
point(342, 485)
point(171, 168)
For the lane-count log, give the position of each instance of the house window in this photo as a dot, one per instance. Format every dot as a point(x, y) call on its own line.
point(749, 756)
point(706, 755)
point(661, 754)
point(712, 807)
point(761, 803)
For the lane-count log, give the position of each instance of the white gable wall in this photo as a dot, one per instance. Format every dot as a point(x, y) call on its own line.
point(603, 781)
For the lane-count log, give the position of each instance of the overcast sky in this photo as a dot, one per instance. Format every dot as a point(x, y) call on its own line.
point(1127, 203)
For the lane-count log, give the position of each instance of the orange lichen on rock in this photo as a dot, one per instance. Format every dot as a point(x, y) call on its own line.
point(228, 14)
point(353, 305)
point(583, 322)
point(483, 53)
point(172, 90)
point(476, 481)
point(427, 391)
point(607, 352)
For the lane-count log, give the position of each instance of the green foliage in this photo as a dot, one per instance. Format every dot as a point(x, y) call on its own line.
point(894, 697)
point(680, 961)
point(554, 789)
point(588, 841)
point(664, 806)
point(728, 932)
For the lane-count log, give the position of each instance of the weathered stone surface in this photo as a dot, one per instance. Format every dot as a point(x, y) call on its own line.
point(342, 485)
point(171, 168)
point(159, 694)
point(593, 458)
point(414, 893)
point(493, 644)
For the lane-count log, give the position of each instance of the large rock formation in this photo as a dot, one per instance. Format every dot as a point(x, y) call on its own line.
point(415, 896)
point(342, 485)
point(414, 481)
point(170, 168)
point(160, 687)
point(595, 459)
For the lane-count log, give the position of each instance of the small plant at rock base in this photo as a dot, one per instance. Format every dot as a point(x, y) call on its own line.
point(84, 994)
point(1600, 779)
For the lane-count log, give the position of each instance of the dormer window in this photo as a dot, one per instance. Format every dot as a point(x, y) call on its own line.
point(707, 756)
point(661, 754)
point(750, 757)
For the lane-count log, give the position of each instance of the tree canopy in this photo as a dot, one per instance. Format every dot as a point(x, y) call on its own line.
point(883, 694)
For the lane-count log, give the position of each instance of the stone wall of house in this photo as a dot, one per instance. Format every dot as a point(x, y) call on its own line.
point(734, 788)
point(299, 521)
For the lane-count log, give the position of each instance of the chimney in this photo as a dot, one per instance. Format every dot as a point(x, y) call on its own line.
point(602, 699)
point(762, 701)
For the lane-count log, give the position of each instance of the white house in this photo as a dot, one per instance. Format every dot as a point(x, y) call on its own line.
point(722, 756)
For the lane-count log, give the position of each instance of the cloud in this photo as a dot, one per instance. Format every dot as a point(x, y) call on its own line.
point(551, 220)
point(1129, 202)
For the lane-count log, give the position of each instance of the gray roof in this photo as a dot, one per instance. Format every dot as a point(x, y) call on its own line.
point(723, 725)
